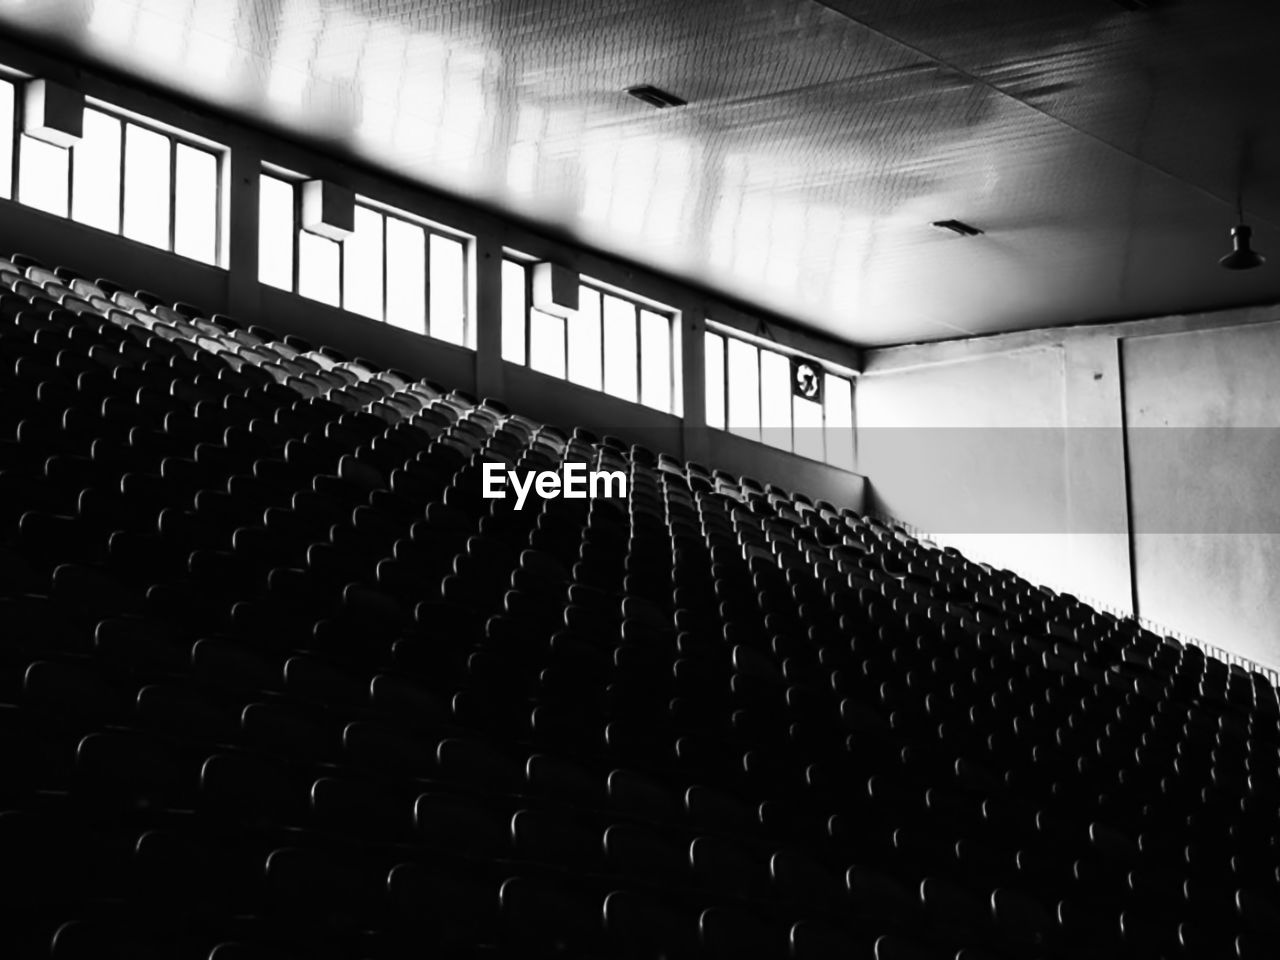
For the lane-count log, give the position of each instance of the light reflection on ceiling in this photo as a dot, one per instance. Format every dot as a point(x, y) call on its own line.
point(1099, 149)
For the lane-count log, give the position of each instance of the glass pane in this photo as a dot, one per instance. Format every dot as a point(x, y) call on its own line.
point(809, 439)
point(146, 186)
point(362, 265)
point(95, 173)
point(448, 290)
point(677, 366)
point(514, 307)
point(406, 275)
point(713, 344)
point(275, 232)
point(6, 140)
point(318, 268)
point(584, 340)
point(195, 214)
point(655, 360)
point(42, 175)
point(620, 348)
point(775, 399)
point(838, 396)
point(546, 343)
point(744, 389)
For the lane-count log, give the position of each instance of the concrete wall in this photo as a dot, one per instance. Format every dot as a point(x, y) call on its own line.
point(1202, 410)
point(1131, 464)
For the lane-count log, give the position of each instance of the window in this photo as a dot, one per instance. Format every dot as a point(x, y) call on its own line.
point(448, 290)
point(749, 393)
point(392, 268)
point(195, 204)
point(7, 94)
point(275, 233)
point(613, 343)
point(513, 312)
point(586, 349)
point(95, 177)
point(146, 185)
point(744, 389)
point(123, 176)
point(621, 357)
point(406, 245)
point(714, 377)
point(362, 265)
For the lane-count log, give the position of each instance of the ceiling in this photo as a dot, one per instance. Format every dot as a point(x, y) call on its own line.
point(1099, 148)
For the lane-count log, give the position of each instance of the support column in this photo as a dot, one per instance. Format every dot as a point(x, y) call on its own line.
point(693, 374)
point(240, 214)
point(487, 312)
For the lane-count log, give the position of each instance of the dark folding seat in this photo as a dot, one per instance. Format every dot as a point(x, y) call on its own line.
point(91, 593)
point(125, 933)
point(636, 795)
point(473, 764)
point(53, 539)
point(1021, 920)
point(726, 868)
point(364, 808)
point(708, 758)
point(892, 947)
point(452, 825)
point(408, 705)
point(179, 708)
point(815, 940)
point(642, 854)
point(331, 892)
point(314, 680)
point(640, 926)
point(441, 908)
point(132, 770)
point(805, 885)
point(384, 750)
point(732, 932)
point(545, 917)
point(558, 839)
point(36, 754)
point(251, 789)
point(223, 665)
point(289, 731)
point(564, 781)
point(74, 690)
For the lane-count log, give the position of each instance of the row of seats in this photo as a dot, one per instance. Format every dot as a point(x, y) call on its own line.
point(277, 681)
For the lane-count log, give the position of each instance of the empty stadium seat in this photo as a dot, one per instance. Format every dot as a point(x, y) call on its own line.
point(271, 662)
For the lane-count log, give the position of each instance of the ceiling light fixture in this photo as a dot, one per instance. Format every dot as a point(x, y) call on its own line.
point(660, 99)
point(958, 227)
point(1242, 255)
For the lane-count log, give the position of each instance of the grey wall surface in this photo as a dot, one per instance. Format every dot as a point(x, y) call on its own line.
point(1203, 411)
point(1131, 464)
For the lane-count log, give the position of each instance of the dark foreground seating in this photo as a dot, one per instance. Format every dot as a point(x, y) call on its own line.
point(277, 682)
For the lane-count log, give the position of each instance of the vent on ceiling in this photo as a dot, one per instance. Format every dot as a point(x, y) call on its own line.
point(958, 227)
point(655, 97)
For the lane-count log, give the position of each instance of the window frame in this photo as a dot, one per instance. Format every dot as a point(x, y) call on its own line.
point(174, 137)
point(385, 212)
point(726, 334)
point(638, 303)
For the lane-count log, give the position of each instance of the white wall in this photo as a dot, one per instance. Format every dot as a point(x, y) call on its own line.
point(1203, 410)
point(1039, 451)
point(1004, 451)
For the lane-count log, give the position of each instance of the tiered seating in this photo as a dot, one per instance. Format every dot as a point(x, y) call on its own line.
point(275, 681)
